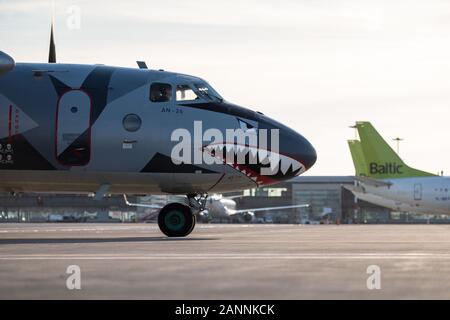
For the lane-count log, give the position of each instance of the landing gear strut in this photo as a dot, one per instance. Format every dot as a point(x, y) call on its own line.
point(178, 220)
point(197, 201)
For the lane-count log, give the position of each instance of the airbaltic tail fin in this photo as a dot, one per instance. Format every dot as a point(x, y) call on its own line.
point(358, 157)
point(378, 158)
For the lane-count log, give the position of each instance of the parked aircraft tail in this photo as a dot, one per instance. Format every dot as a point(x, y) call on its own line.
point(358, 157)
point(374, 158)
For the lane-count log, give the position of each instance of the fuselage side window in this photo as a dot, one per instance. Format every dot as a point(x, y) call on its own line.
point(160, 92)
point(185, 93)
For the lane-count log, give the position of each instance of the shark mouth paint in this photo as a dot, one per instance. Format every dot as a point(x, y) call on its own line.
point(262, 166)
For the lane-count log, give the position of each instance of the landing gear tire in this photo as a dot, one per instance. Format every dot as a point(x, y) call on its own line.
point(194, 217)
point(176, 220)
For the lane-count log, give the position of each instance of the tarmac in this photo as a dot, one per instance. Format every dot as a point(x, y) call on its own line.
point(135, 261)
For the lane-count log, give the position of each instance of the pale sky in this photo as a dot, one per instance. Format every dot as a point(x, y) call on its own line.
point(316, 65)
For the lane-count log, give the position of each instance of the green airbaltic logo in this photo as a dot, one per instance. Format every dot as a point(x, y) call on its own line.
point(386, 168)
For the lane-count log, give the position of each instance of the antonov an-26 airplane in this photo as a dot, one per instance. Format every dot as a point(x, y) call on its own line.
point(68, 128)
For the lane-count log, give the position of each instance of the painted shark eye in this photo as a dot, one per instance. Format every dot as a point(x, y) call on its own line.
point(245, 125)
point(132, 122)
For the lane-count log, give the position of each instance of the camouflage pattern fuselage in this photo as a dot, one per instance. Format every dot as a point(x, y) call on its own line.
point(72, 128)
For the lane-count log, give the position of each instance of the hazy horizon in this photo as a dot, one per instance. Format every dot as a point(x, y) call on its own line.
point(317, 66)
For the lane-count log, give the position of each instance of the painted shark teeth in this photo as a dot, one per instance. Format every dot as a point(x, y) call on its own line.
point(250, 161)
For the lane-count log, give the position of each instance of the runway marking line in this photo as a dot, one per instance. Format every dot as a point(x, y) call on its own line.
point(304, 256)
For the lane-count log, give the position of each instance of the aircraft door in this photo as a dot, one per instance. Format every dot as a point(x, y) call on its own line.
point(418, 191)
point(73, 129)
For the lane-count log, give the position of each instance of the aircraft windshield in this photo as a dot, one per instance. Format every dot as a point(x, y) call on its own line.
point(185, 93)
point(207, 92)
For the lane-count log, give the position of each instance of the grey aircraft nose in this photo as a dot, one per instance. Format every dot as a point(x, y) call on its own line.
point(298, 147)
point(292, 144)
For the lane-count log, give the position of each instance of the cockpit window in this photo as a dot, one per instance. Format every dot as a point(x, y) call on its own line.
point(185, 93)
point(160, 92)
point(207, 92)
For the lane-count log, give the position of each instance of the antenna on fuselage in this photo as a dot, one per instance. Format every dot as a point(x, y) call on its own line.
point(142, 64)
point(52, 49)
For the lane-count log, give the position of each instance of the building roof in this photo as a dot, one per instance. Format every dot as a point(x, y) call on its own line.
point(323, 179)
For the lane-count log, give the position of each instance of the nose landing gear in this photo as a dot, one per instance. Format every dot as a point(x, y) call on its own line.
point(178, 220)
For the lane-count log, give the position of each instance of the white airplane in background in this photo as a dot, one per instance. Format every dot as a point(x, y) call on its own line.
point(224, 209)
point(384, 179)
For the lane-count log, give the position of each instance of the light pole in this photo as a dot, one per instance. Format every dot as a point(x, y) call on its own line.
point(356, 131)
point(398, 140)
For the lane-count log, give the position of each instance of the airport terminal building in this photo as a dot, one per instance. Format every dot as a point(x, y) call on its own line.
point(329, 202)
